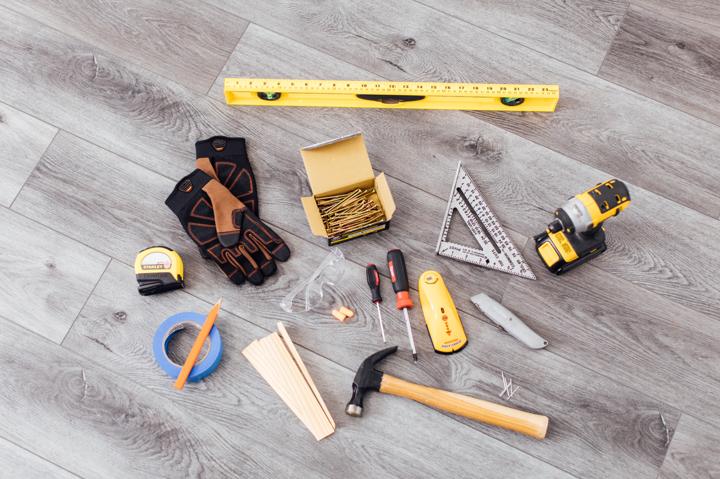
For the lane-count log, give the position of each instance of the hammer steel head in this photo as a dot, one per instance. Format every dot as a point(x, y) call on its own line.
point(367, 378)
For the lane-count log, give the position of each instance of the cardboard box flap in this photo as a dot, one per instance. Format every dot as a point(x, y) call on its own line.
point(336, 163)
point(383, 191)
point(313, 216)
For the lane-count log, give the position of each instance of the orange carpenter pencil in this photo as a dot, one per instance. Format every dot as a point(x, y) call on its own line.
point(197, 346)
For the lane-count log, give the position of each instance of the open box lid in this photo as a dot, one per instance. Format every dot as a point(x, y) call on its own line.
point(334, 164)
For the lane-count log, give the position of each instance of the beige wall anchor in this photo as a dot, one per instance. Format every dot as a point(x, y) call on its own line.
point(342, 313)
point(275, 358)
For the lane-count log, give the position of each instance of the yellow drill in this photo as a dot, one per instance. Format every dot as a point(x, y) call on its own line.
point(576, 235)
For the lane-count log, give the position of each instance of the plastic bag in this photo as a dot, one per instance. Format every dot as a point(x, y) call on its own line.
point(309, 293)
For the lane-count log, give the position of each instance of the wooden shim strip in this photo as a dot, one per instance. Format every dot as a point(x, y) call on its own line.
point(282, 374)
point(298, 360)
point(311, 413)
point(296, 389)
point(274, 371)
point(261, 358)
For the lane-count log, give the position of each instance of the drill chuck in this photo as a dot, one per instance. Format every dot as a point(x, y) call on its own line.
point(576, 216)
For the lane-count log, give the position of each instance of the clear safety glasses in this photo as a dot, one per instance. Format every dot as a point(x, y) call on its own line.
point(309, 293)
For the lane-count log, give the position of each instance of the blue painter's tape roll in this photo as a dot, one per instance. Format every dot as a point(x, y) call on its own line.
point(178, 322)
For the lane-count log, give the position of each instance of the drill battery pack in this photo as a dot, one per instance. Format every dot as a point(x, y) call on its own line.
point(560, 252)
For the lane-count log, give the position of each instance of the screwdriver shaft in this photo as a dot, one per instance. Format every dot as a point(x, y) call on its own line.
point(382, 329)
point(410, 335)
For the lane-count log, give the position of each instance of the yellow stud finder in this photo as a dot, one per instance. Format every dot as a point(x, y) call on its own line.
point(158, 269)
point(441, 318)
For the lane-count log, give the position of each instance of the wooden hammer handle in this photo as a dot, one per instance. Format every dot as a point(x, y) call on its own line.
point(533, 425)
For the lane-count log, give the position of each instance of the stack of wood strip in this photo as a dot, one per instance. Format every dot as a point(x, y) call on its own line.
point(275, 358)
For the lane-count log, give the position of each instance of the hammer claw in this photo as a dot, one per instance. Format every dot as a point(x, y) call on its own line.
point(367, 378)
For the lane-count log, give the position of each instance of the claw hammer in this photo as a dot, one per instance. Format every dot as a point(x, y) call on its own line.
point(369, 378)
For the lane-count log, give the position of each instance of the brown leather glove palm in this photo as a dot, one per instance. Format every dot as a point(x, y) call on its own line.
point(225, 159)
point(225, 229)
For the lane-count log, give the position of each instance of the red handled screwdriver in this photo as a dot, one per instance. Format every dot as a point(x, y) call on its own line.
point(373, 281)
point(401, 286)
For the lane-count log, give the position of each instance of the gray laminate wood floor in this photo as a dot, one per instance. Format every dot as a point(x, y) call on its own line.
point(100, 106)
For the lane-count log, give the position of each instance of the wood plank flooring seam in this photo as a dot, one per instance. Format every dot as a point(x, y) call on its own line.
point(649, 6)
point(70, 35)
point(481, 317)
point(594, 167)
point(279, 228)
point(34, 220)
point(116, 55)
point(523, 251)
point(163, 175)
point(314, 246)
point(144, 166)
point(628, 89)
point(86, 139)
point(697, 418)
point(107, 265)
point(441, 12)
point(649, 473)
point(228, 58)
point(342, 60)
point(667, 450)
point(698, 118)
point(33, 453)
point(71, 239)
point(629, 37)
point(691, 461)
point(486, 364)
point(111, 372)
point(672, 438)
point(609, 47)
point(39, 159)
point(431, 410)
point(471, 314)
point(510, 132)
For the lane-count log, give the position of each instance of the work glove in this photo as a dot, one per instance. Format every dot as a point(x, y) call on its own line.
point(225, 229)
point(225, 159)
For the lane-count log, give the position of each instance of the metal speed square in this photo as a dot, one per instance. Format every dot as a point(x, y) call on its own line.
point(494, 249)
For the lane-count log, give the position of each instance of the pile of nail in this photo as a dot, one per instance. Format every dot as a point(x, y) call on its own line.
point(350, 211)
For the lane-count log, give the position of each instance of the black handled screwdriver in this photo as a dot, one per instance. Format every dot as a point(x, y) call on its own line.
point(401, 286)
point(373, 281)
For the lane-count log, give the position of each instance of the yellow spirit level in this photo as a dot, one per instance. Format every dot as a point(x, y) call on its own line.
point(577, 235)
point(158, 269)
point(386, 94)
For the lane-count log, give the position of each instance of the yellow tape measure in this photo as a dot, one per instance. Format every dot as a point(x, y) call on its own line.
point(158, 269)
point(385, 94)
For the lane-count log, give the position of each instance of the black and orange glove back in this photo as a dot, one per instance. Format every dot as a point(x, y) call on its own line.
point(225, 159)
point(225, 229)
